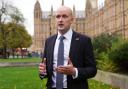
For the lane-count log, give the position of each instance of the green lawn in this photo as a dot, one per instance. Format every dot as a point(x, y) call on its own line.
point(27, 78)
point(99, 85)
point(21, 60)
point(19, 78)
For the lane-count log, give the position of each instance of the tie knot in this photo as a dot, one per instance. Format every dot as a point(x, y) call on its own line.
point(62, 38)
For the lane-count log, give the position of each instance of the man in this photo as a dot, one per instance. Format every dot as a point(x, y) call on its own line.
point(78, 59)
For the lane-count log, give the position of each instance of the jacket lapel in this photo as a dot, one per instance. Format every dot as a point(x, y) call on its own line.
point(74, 44)
point(52, 44)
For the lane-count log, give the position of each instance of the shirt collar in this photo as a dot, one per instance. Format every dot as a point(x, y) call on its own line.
point(67, 35)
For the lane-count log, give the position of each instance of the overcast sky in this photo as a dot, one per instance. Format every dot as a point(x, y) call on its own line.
point(27, 7)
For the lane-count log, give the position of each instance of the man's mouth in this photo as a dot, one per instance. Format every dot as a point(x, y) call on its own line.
point(60, 24)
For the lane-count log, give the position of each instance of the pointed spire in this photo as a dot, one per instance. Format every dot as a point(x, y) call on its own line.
point(37, 5)
point(37, 1)
point(62, 3)
point(74, 10)
point(52, 10)
point(37, 10)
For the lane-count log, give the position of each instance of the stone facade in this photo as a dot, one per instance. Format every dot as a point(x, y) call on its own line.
point(111, 18)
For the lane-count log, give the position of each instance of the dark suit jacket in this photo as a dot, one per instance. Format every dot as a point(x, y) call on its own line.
point(81, 55)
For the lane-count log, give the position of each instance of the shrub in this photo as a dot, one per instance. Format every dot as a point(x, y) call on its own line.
point(104, 63)
point(103, 42)
point(119, 54)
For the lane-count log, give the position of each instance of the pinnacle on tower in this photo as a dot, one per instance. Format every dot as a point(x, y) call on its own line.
point(74, 10)
point(51, 10)
point(62, 3)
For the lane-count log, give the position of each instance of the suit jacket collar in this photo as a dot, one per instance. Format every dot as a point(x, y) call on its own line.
point(74, 42)
point(52, 43)
point(73, 47)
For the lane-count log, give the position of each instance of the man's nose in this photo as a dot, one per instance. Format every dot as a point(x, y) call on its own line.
point(61, 18)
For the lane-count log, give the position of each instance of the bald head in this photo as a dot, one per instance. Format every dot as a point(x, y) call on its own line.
point(64, 19)
point(66, 9)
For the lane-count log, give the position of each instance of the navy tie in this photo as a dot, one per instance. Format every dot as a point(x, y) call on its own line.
point(60, 61)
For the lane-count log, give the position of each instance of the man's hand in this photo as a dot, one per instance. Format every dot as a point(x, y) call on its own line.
point(42, 68)
point(68, 70)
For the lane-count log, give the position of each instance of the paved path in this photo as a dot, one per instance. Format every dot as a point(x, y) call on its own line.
point(12, 64)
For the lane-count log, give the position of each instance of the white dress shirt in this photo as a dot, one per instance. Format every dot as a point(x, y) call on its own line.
point(67, 42)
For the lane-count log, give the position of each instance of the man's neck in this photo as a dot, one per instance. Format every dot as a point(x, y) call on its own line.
point(62, 32)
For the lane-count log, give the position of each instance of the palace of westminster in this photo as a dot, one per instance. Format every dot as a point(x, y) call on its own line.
point(111, 18)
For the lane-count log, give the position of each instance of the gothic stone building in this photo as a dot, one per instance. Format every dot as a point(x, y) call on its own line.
point(111, 18)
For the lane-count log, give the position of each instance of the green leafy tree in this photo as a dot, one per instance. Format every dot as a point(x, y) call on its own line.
point(18, 37)
point(12, 31)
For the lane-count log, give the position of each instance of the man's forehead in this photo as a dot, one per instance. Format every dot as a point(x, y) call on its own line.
point(64, 10)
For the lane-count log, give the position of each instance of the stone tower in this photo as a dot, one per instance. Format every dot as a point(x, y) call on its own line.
point(37, 26)
point(91, 7)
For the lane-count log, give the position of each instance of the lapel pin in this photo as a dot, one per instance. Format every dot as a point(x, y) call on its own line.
point(77, 38)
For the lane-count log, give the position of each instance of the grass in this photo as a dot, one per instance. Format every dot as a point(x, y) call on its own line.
point(99, 85)
point(28, 78)
point(20, 78)
point(21, 60)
